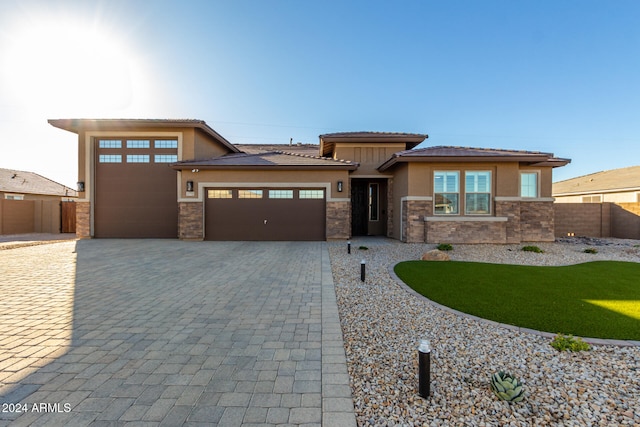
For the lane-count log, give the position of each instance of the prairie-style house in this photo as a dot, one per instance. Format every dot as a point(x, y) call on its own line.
point(181, 179)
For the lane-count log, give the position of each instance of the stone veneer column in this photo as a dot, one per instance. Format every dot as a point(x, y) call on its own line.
point(511, 210)
point(537, 221)
point(83, 220)
point(191, 220)
point(413, 213)
point(338, 220)
point(390, 207)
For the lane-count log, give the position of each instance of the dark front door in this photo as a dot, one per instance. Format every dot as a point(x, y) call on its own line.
point(359, 208)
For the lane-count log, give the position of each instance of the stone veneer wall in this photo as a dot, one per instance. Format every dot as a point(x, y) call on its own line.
point(191, 220)
point(338, 220)
point(390, 207)
point(413, 225)
point(537, 221)
point(465, 231)
point(83, 220)
point(511, 210)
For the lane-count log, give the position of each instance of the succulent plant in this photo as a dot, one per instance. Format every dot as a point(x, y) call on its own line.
point(507, 387)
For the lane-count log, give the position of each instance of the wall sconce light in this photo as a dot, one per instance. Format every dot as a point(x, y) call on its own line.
point(339, 186)
point(80, 186)
point(189, 186)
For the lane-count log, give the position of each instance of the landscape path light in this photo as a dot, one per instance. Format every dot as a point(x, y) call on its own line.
point(424, 368)
point(363, 267)
point(349, 247)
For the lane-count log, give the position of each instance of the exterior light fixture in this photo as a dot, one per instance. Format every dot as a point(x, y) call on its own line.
point(189, 186)
point(363, 268)
point(80, 186)
point(349, 247)
point(339, 186)
point(424, 368)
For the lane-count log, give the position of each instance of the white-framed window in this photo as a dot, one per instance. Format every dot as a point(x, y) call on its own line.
point(110, 143)
point(138, 143)
point(219, 194)
point(477, 186)
point(281, 194)
point(311, 194)
point(446, 192)
point(137, 158)
point(110, 158)
point(165, 158)
point(165, 143)
point(529, 184)
point(249, 194)
point(14, 196)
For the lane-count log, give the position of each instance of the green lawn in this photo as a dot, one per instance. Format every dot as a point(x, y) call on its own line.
point(596, 299)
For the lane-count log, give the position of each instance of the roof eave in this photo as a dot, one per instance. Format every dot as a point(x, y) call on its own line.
point(77, 125)
point(179, 166)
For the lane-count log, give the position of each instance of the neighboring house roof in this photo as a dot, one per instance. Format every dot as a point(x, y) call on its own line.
point(76, 125)
point(21, 182)
point(615, 180)
point(469, 154)
point(328, 140)
point(270, 160)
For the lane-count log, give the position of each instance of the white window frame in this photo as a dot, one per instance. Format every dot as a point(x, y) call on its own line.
point(537, 176)
point(14, 196)
point(456, 192)
point(467, 193)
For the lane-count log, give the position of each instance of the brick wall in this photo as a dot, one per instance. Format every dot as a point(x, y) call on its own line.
point(83, 220)
point(582, 219)
point(625, 220)
point(338, 219)
point(190, 220)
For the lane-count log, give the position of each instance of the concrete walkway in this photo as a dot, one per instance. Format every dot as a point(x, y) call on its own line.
point(164, 332)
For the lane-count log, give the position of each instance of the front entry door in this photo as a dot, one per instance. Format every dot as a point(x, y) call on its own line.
point(359, 208)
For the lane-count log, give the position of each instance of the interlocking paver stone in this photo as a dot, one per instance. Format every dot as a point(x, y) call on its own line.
point(169, 332)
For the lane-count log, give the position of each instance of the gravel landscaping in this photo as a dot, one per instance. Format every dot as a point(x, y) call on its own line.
point(382, 323)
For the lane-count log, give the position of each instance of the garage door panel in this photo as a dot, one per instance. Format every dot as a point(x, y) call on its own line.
point(264, 219)
point(136, 200)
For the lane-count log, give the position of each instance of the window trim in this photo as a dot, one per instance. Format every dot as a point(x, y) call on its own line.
point(457, 192)
point(489, 194)
point(535, 173)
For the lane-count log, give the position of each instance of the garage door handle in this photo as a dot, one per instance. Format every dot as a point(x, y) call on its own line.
point(265, 222)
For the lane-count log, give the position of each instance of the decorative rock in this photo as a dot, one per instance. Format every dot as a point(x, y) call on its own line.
point(435, 255)
point(382, 324)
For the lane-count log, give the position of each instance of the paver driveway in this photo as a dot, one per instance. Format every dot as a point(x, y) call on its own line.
point(172, 333)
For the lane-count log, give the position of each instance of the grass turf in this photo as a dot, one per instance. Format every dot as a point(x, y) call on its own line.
point(598, 299)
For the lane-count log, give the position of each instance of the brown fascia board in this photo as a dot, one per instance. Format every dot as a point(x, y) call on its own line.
point(529, 160)
point(346, 166)
point(77, 125)
point(327, 141)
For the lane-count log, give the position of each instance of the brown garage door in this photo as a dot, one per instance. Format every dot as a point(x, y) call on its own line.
point(265, 214)
point(136, 192)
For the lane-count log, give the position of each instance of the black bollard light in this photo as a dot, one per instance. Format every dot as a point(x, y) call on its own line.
point(363, 267)
point(424, 368)
point(348, 247)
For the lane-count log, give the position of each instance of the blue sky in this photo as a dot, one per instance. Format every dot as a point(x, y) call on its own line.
point(555, 76)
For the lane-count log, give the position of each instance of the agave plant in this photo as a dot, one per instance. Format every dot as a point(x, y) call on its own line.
point(507, 387)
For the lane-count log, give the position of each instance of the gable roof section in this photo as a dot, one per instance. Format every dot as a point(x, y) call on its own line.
point(328, 140)
point(77, 125)
point(623, 179)
point(469, 154)
point(21, 182)
point(273, 160)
